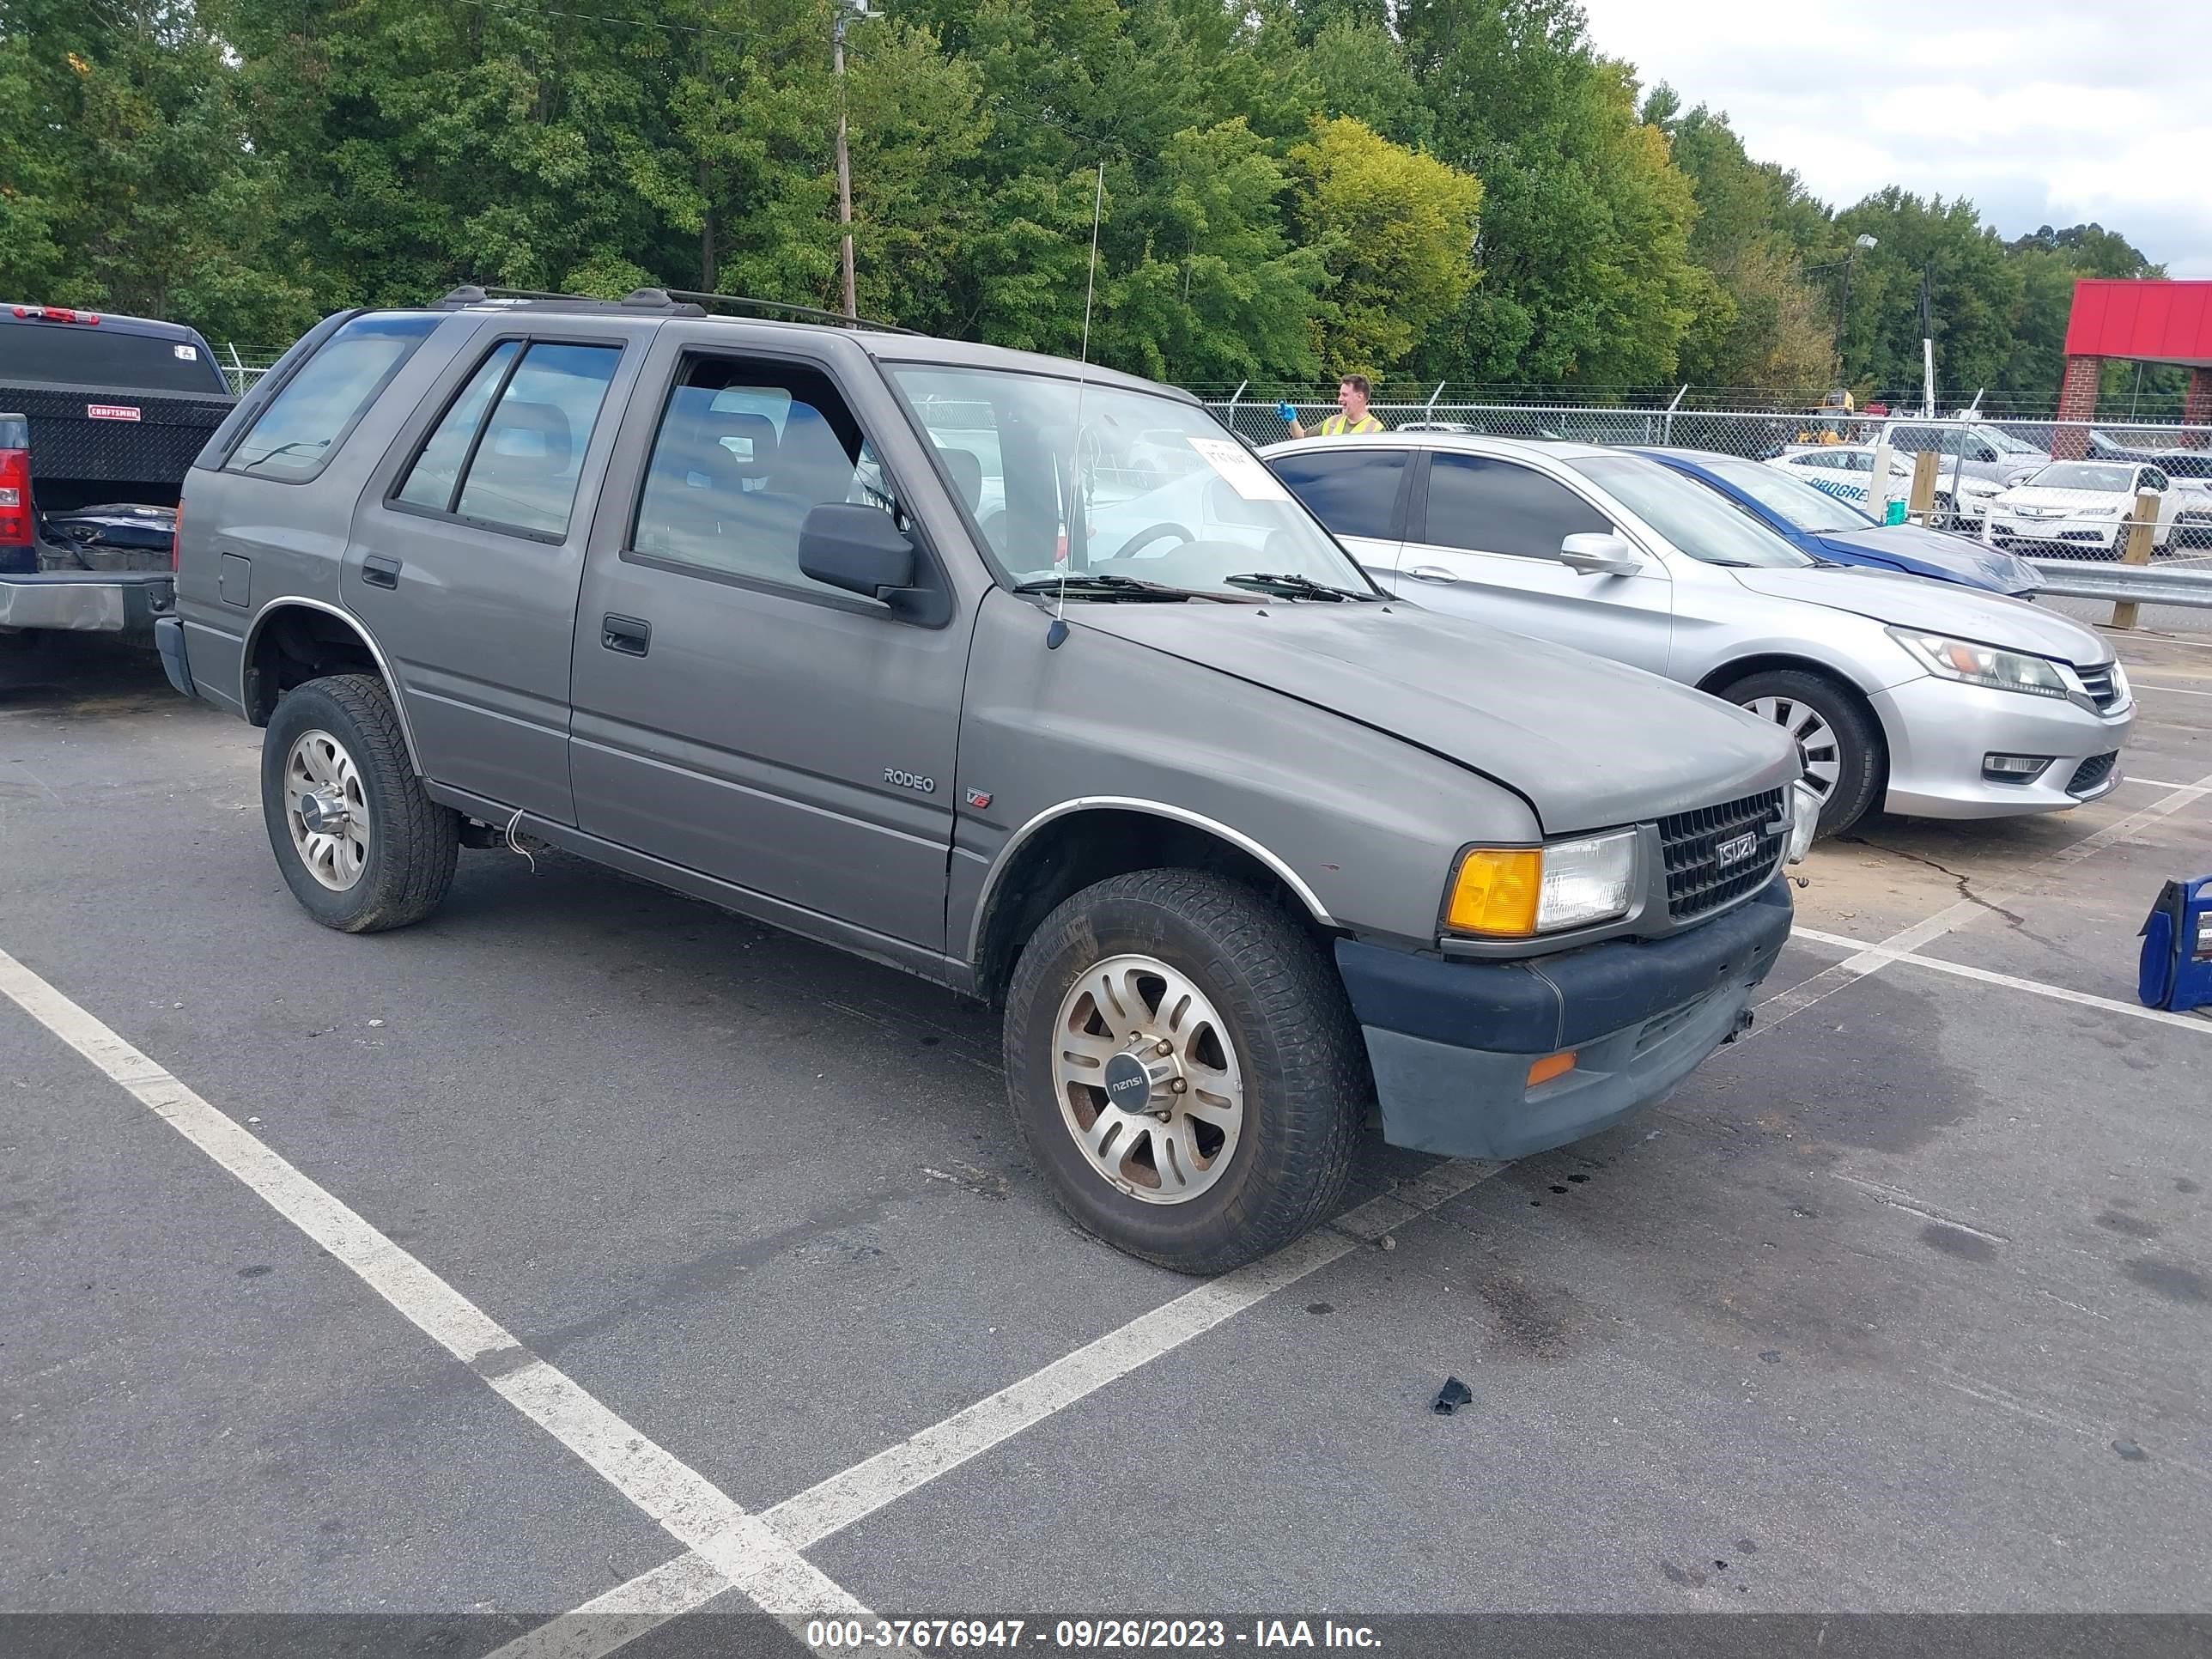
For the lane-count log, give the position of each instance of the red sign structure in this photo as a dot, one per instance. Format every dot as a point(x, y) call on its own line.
point(2141, 322)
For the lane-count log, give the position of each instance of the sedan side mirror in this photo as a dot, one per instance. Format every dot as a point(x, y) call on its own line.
point(1607, 553)
point(856, 548)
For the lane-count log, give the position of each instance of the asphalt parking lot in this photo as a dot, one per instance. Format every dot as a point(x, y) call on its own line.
point(1902, 1303)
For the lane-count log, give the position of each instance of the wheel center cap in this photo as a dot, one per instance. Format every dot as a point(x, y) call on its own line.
point(1128, 1085)
point(321, 812)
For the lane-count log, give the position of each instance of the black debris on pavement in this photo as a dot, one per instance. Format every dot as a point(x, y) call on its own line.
point(1449, 1398)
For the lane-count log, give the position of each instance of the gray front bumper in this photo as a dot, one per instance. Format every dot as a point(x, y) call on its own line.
point(85, 601)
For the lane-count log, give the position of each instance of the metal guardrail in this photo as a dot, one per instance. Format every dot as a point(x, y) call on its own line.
point(2144, 584)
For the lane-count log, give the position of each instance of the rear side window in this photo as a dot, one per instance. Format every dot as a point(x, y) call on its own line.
point(1353, 492)
point(94, 355)
point(436, 475)
point(295, 437)
point(1489, 505)
point(519, 468)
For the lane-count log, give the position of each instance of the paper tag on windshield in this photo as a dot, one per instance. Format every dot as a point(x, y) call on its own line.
point(1242, 468)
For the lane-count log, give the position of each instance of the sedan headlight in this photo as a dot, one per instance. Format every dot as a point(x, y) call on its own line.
point(1517, 893)
point(1982, 664)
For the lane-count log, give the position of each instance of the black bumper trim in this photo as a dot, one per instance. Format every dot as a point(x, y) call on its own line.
point(1544, 1004)
point(169, 640)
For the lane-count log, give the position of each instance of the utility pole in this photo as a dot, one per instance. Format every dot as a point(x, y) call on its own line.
point(844, 162)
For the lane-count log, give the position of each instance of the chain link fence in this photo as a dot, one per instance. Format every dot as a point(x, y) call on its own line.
point(241, 367)
point(2103, 493)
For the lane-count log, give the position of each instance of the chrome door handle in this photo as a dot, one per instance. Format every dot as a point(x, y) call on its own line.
point(1429, 573)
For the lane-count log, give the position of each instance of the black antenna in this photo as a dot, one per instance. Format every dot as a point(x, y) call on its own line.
point(1056, 635)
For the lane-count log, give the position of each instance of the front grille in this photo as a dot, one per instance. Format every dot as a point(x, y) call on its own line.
point(2104, 690)
point(1697, 879)
point(2091, 773)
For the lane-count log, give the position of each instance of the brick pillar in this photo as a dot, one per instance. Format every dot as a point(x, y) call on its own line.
point(2196, 408)
point(2077, 407)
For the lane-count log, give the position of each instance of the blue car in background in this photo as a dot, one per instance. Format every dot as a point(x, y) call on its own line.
point(1819, 525)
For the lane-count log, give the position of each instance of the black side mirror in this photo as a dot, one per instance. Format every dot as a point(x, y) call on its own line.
point(844, 544)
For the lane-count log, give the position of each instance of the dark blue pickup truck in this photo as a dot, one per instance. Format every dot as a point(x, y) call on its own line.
point(100, 416)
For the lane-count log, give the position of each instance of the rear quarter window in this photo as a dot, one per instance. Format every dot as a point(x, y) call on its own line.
point(295, 436)
point(90, 355)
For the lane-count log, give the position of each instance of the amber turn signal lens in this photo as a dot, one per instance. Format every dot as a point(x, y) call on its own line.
point(1550, 1067)
point(1495, 892)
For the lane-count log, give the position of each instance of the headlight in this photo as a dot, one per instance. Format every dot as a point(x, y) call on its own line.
point(1804, 818)
point(1982, 664)
point(1516, 892)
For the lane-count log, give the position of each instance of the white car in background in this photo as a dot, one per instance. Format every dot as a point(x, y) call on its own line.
point(2081, 507)
point(1844, 470)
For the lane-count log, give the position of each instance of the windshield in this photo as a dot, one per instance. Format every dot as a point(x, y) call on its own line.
point(1804, 506)
point(1165, 495)
point(2003, 442)
point(1701, 522)
point(2084, 475)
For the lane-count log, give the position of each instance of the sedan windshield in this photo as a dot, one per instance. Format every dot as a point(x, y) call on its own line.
point(1796, 503)
point(2003, 442)
point(1159, 491)
point(1701, 522)
point(2083, 475)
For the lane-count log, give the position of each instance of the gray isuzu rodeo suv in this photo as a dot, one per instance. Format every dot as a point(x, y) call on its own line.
point(841, 628)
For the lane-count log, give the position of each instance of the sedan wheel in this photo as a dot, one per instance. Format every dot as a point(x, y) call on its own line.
point(1814, 738)
point(1840, 743)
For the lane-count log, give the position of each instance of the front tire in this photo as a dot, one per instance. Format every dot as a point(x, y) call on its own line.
point(1835, 733)
point(1221, 1029)
point(362, 846)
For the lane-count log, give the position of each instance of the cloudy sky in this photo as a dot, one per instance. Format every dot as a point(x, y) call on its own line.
point(2040, 111)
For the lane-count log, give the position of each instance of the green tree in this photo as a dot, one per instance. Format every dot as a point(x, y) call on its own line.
point(1586, 221)
point(125, 179)
point(1758, 323)
point(1976, 294)
point(1396, 231)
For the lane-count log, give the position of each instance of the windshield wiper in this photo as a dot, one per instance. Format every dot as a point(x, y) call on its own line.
point(1091, 586)
point(1295, 586)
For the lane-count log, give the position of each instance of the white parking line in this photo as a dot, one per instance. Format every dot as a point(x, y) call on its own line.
point(2180, 690)
point(804, 1521)
point(1871, 959)
point(742, 1549)
point(2013, 982)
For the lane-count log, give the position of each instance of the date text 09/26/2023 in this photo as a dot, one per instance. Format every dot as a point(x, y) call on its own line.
point(1088, 1635)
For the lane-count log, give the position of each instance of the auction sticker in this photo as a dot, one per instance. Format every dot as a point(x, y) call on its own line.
point(1242, 468)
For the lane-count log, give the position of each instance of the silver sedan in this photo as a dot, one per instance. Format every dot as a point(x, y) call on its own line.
point(1922, 697)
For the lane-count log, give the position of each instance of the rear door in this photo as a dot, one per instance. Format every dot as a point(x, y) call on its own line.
point(732, 716)
point(1483, 542)
point(469, 546)
point(1359, 493)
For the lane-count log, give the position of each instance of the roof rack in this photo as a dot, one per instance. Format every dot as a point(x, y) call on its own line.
point(668, 302)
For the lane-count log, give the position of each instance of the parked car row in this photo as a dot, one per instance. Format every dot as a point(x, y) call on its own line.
point(1452, 774)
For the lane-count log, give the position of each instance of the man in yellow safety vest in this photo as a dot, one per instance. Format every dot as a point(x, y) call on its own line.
point(1351, 394)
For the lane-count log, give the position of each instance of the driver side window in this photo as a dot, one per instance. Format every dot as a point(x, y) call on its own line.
point(1489, 505)
point(745, 451)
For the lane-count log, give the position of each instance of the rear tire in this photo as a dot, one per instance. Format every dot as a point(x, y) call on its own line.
point(1285, 1079)
point(1837, 735)
point(390, 859)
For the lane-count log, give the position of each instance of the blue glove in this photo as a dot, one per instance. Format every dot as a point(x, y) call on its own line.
point(1287, 413)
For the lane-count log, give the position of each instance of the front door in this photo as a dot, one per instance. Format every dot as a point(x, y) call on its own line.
point(467, 553)
point(1359, 493)
point(1485, 544)
point(731, 715)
